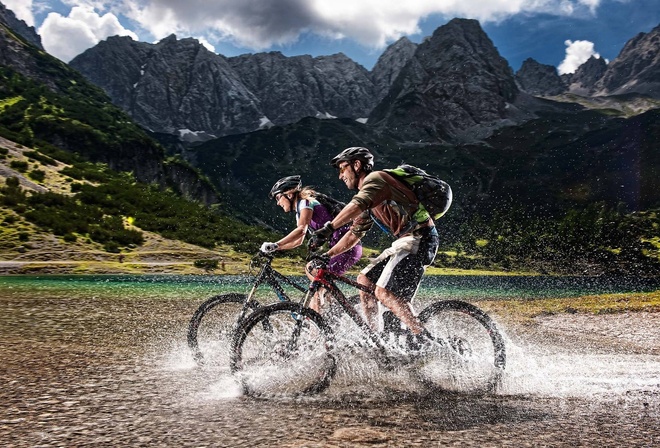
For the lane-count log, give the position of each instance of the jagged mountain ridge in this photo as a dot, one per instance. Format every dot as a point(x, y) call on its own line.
point(178, 85)
point(70, 113)
point(456, 86)
point(636, 70)
point(479, 91)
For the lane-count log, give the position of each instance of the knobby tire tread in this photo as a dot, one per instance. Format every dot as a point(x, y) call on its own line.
point(261, 315)
point(203, 310)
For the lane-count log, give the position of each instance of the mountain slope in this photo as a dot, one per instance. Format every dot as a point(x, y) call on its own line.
point(636, 68)
point(455, 81)
point(47, 104)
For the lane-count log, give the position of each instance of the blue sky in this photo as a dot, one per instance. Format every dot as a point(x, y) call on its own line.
point(562, 33)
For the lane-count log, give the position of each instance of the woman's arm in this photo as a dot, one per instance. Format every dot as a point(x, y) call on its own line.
point(296, 237)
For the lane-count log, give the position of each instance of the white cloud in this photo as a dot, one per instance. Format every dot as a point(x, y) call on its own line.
point(577, 53)
point(67, 37)
point(259, 24)
point(209, 46)
point(22, 9)
point(591, 4)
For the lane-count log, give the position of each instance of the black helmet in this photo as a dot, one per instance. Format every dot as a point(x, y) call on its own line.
point(285, 184)
point(354, 153)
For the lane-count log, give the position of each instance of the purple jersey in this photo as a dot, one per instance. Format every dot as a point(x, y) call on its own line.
point(339, 264)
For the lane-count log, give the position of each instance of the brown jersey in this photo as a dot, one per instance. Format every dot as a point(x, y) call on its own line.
point(387, 200)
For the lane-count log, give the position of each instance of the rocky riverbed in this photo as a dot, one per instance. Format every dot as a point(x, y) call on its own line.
point(96, 371)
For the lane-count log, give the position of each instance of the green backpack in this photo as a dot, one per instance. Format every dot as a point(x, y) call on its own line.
point(431, 192)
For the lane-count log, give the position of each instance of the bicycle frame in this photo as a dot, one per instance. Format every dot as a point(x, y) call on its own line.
point(326, 279)
point(264, 275)
point(268, 275)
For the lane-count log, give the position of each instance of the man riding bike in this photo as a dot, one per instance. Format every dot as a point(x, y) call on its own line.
point(310, 213)
point(397, 272)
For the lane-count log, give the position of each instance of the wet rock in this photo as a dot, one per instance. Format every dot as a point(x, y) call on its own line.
point(360, 435)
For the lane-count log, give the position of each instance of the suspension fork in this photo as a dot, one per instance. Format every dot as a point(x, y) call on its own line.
point(265, 276)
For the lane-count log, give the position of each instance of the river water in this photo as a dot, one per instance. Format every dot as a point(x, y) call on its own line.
point(103, 361)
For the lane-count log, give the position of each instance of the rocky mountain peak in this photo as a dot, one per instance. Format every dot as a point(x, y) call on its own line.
point(539, 79)
point(390, 64)
point(455, 81)
point(28, 33)
point(635, 69)
point(583, 81)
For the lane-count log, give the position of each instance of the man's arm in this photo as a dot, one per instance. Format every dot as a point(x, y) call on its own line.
point(346, 215)
point(348, 241)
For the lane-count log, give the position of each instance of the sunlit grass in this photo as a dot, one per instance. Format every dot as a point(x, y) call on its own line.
point(591, 304)
point(10, 101)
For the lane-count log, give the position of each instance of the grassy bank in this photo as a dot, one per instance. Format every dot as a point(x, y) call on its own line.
point(591, 304)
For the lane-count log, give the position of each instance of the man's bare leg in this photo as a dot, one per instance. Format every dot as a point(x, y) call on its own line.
point(400, 308)
point(369, 303)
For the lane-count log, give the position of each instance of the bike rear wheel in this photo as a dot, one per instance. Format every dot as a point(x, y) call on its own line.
point(211, 327)
point(471, 353)
point(283, 349)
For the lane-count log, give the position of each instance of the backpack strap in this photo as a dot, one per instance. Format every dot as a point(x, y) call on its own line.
point(421, 214)
point(398, 184)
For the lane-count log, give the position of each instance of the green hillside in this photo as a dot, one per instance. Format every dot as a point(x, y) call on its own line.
point(78, 201)
point(568, 192)
point(75, 167)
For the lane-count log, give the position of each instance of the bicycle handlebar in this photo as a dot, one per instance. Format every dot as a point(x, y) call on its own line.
point(262, 254)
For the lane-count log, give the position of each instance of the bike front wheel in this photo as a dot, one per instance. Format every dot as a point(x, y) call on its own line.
point(471, 352)
point(283, 349)
point(212, 325)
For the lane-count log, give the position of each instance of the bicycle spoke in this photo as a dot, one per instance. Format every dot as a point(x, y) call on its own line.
point(289, 356)
point(470, 353)
point(211, 328)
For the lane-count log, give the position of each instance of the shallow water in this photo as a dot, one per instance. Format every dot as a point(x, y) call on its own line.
point(103, 361)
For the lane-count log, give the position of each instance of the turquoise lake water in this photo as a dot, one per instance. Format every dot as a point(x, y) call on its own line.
point(199, 287)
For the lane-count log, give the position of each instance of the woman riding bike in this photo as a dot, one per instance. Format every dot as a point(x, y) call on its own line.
point(310, 215)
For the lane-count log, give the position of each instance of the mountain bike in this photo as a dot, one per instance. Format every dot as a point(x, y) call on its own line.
point(288, 348)
point(211, 326)
point(214, 321)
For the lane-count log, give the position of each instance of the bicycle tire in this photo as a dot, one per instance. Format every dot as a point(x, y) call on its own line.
point(475, 349)
point(233, 304)
point(283, 349)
